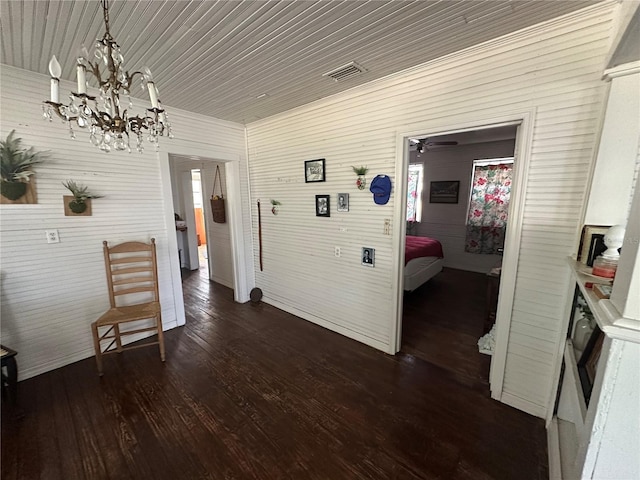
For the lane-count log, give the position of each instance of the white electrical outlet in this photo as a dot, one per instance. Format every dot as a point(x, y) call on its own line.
point(52, 236)
point(336, 251)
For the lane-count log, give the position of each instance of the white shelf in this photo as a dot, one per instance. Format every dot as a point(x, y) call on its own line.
point(609, 319)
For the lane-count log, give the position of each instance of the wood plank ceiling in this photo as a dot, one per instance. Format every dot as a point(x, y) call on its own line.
point(246, 60)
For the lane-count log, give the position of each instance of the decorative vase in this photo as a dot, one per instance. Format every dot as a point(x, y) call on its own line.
point(13, 190)
point(361, 182)
point(77, 206)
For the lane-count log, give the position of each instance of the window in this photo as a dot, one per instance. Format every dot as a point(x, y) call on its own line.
point(489, 205)
point(414, 192)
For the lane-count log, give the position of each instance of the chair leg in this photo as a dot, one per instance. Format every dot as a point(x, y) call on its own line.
point(160, 336)
point(96, 346)
point(116, 332)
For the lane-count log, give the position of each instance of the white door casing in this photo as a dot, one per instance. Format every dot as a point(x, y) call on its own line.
point(234, 204)
point(524, 121)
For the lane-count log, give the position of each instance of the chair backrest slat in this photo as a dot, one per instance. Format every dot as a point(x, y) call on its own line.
point(123, 262)
point(134, 280)
point(116, 261)
point(127, 291)
point(128, 247)
point(125, 271)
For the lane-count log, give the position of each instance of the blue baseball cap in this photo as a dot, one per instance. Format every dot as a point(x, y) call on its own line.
point(381, 189)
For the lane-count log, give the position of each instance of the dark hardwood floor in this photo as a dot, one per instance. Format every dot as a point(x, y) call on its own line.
point(251, 392)
point(442, 322)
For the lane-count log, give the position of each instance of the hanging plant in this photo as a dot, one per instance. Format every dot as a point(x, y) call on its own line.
point(274, 208)
point(361, 182)
point(80, 196)
point(17, 166)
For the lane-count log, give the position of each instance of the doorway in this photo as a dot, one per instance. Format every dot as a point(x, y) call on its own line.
point(203, 245)
point(519, 128)
point(448, 176)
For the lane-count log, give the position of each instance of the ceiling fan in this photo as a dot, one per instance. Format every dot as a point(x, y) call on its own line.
point(423, 144)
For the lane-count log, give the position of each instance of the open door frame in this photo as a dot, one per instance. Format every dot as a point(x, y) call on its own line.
point(234, 204)
point(524, 135)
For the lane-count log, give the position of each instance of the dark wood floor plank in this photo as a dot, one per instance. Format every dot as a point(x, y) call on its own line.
point(251, 392)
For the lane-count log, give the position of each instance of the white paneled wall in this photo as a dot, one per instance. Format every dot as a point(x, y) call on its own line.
point(553, 70)
point(447, 222)
point(52, 292)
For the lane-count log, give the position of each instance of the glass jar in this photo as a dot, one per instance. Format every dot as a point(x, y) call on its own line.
point(605, 267)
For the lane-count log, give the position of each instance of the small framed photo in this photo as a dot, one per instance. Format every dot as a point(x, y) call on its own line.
point(591, 243)
point(343, 202)
point(314, 171)
point(368, 256)
point(444, 191)
point(322, 206)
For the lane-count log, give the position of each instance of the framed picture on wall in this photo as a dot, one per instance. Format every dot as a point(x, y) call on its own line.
point(444, 191)
point(314, 171)
point(322, 206)
point(343, 202)
point(368, 256)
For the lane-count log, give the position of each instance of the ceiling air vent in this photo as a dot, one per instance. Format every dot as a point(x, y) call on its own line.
point(349, 70)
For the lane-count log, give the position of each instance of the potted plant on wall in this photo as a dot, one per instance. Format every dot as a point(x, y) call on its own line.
point(361, 182)
point(17, 166)
point(81, 196)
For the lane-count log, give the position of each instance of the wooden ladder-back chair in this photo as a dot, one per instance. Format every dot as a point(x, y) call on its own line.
point(132, 277)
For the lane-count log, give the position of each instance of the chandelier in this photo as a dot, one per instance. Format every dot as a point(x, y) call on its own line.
point(110, 125)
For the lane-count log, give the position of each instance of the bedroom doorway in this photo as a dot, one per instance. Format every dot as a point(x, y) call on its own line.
point(458, 191)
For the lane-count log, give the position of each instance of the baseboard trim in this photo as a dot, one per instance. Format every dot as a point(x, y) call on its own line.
point(524, 405)
point(328, 325)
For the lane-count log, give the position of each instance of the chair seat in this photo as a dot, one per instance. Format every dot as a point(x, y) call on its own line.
point(129, 313)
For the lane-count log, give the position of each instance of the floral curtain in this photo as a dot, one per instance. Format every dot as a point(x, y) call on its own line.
point(412, 195)
point(488, 210)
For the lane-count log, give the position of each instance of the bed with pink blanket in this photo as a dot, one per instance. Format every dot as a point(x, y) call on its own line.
point(423, 258)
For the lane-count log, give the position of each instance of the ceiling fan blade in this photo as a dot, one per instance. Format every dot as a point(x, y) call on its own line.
point(431, 144)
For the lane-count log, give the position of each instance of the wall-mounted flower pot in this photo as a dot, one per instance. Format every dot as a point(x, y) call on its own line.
point(75, 209)
point(13, 190)
point(18, 193)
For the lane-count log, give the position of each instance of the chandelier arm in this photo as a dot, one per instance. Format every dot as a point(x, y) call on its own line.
point(57, 107)
point(131, 76)
point(95, 70)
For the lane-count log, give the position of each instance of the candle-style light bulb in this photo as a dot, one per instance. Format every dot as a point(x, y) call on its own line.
point(54, 67)
point(146, 73)
point(84, 53)
point(55, 70)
